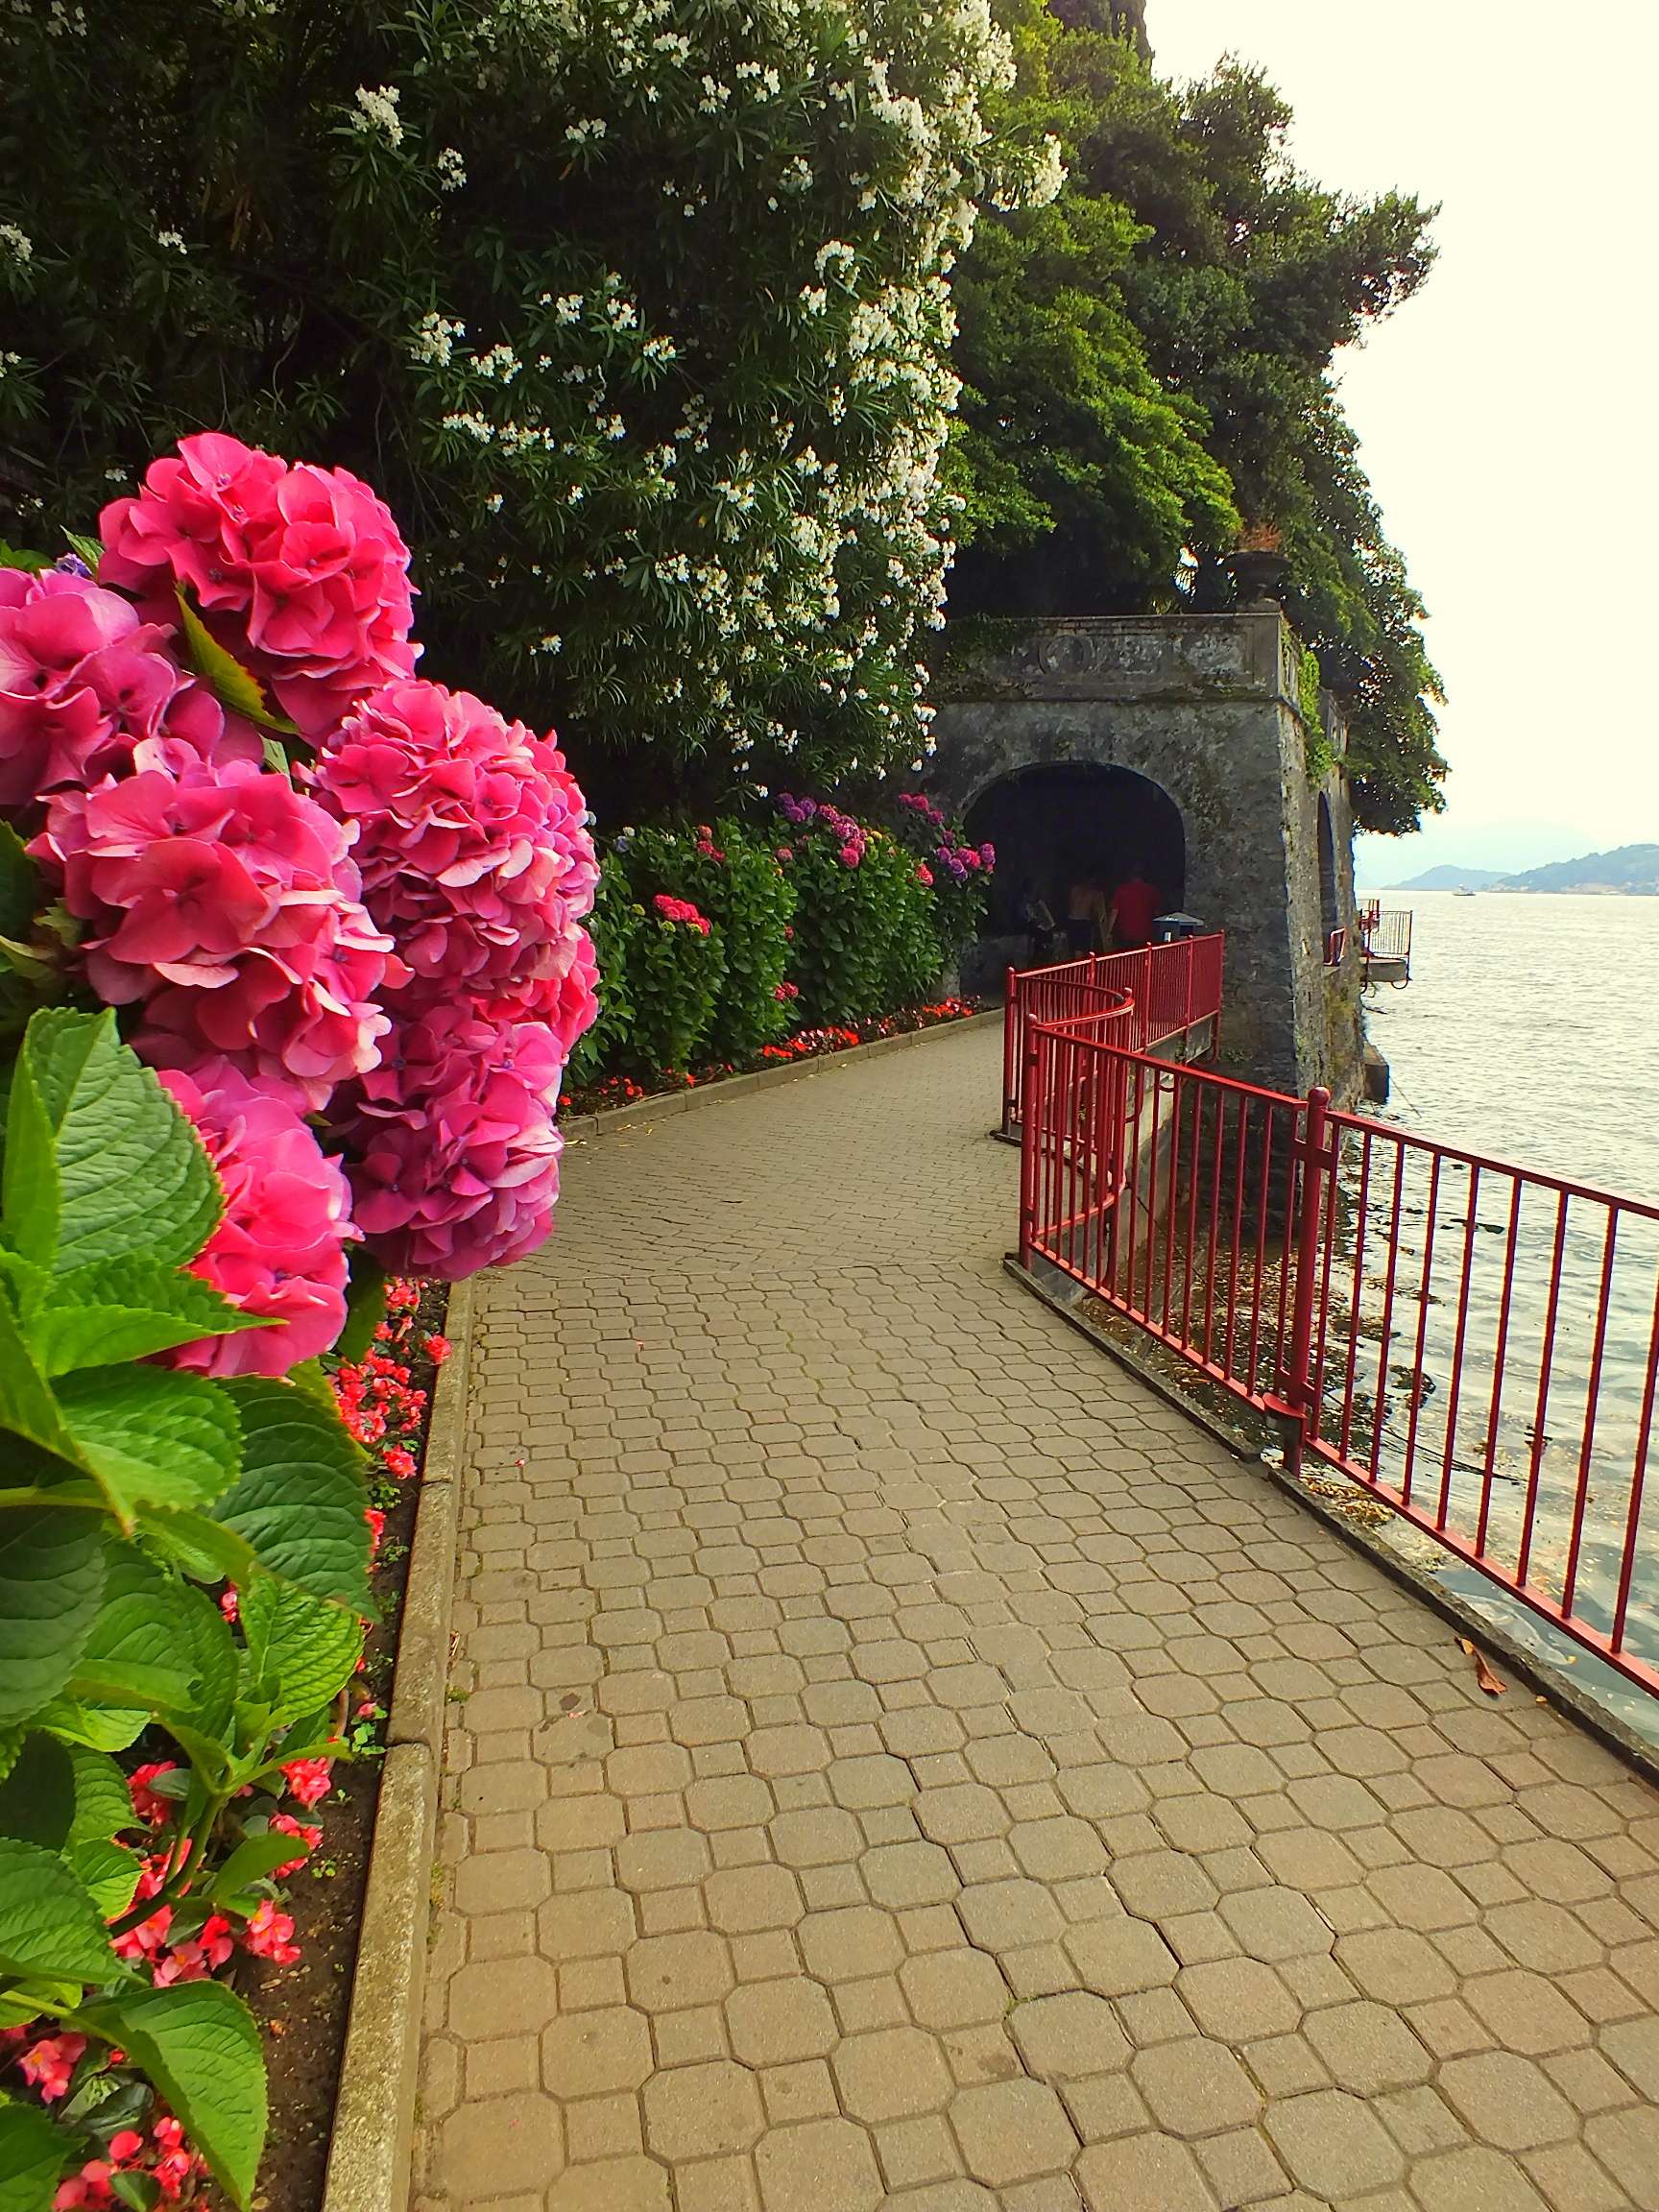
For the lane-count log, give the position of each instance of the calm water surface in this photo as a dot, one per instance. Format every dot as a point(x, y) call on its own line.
point(1530, 1030)
point(1527, 1033)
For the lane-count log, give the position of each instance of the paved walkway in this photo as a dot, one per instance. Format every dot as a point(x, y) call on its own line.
point(905, 1763)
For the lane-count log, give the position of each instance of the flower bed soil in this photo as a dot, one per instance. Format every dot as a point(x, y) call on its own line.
point(614, 1091)
point(303, 2009)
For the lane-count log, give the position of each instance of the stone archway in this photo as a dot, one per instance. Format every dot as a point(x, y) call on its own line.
point(1059, 823)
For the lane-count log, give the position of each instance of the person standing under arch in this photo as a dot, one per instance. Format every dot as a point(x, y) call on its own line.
point(1135, 908)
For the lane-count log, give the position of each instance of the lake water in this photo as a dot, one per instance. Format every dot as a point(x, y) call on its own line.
point(1530, 1029)
point(1527, 1033)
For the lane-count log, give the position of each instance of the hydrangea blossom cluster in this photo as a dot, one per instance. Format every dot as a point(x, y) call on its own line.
point(84, 679)
point(851, 837)
point(961, 862)
point(388, 937)
point(674, 909)
point(300, 572)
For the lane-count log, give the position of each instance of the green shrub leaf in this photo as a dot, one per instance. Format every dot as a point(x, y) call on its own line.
point(109, 1872)
point(95, 1316)
point(302, 1648)
point(301, 1497)
point(38, 1797)
point(253, 1859)
point(100, 1164)
point(52, 1579)
point(32, 2155)
point(103, 1801)
point(151, 1437)
point(141, 1651)
point(197, 2043)
point(230, 684)
point(48, 1923)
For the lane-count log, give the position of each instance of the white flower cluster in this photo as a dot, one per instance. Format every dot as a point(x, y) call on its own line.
point(17, 245)
point(377, 114)
point(751, 464)
point(450, 170)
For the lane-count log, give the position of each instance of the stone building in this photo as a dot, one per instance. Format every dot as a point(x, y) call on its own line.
point(1079, 745)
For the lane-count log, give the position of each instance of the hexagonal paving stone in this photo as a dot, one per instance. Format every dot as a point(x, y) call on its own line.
point(1506, 2101)
point(590, 2054)
point(743, 1900)
point(699, 2111)
point(1543, 1935)
point(958, 1988)
point(1067, 2037)
point(963, 1813)
point(502, 1997)
point(891, 2074)
point(1195, 2088)
point(1633, 2046)
point(780, 2023)
point(1157, 1885)
point(1333, 2145)
point(1368, 2048)
point(1525, 2013)
point(1060, 1848)
point(662, 1859)
point(821, 2166)
point(1142, 2174)
point(849, 1943)
point(1395, 1966)
point(1460, 2180)
point(1627, 2145)
point(1238, 2000)
point(900, 1875)
point(1116, 1957)
point(1012, 2131)
point(667, 1972)
point(1275, 1923)
point(816, 1836)
point(1000, 1916)
point(870, 1780)
point(496, 2146)
point(611, 2185)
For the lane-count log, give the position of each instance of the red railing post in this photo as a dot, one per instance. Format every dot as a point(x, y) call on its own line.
point(1314, 1155)
point(1030, 1130)
point(1191, 964)
point(1010, 1047)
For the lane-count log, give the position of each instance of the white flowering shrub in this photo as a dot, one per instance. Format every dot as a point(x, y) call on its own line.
point(637, 309)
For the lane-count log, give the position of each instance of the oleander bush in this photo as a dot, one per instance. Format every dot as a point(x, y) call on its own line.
point(291, 965)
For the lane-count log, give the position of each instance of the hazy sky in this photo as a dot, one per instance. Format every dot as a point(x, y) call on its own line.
point(1507, 412)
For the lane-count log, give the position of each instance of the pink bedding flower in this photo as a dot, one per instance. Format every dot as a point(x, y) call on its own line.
point(49, 2064)
point(82, 681)
point(150, 1805)
point(451, 1143)
point(308, 1780)
point(280, 1248)
point(270, 1935)
point(300, 572)
point(303, 1832)
point(472, 840)
point(226, 903)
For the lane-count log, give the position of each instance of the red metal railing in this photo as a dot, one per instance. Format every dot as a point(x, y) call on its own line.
point(1335, 948)
point(1151, 994)
point(1385, 932)
point(1473, 1343)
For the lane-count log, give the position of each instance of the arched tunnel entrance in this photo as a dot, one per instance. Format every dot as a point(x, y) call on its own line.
point(1061, 823)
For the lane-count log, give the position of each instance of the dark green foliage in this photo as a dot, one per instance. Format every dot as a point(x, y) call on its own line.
point(864, 939)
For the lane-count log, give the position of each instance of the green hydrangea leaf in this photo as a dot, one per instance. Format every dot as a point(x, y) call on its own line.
point(34, 2152)
point(197, 2043)
point(48, 1923)
point(301, 1495)
point(100, 1164)
point(103, 1801)
point(110, 1871)
point(230, 684)
point(52, 1581)
point(151, 1437)
point(37, 1796)
point(302, 1648)
point(125, 1310)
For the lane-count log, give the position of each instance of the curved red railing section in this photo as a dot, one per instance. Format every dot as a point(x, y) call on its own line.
point(1155, 993)
point(1473, 1343)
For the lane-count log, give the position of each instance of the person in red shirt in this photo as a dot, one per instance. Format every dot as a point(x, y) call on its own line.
point(1135, 906)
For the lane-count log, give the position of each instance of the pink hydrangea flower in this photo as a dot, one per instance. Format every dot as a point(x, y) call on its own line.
point(673, 909)
point(923, 874)
point(300, 572)
point(566, 1000)
point(83, 679)
point(451, 1143)
point(472, 840)
point(226, 903)
point(280, 1248)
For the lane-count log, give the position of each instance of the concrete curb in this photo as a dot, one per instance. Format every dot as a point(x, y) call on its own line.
point(645, 1111)
point(373, 2141)
point(1486, 1634)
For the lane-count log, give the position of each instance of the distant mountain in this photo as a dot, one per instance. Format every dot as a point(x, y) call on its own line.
point(1626, 868)
point(1446, 878)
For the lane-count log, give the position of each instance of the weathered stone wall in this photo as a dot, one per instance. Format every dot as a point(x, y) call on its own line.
point(1205, 706)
